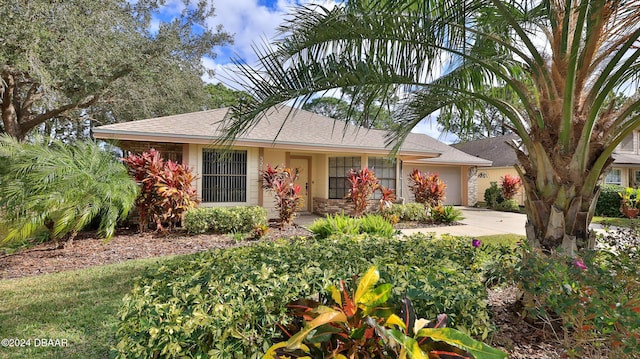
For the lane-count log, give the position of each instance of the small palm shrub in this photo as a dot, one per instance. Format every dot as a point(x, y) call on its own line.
point(427, 188)
point(166, 189)
point(346, 225)
point(61, 188)
point(376, 225)
point(446, 214)
point(279, 181)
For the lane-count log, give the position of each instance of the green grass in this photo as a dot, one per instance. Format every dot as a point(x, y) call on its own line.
point(614, 221)
point(80, 306)
point(494, 239)
point(510, 239)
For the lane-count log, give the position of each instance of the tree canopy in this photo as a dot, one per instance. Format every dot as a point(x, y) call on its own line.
point(106, 61)
point(562, 60)
point(367, 109)
point(221, 96)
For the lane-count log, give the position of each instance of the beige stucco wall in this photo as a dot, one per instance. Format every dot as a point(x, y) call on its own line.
point(486, 175)
point(258, 158)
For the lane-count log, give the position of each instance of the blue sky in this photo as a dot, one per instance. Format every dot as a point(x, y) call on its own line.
point(250, 22)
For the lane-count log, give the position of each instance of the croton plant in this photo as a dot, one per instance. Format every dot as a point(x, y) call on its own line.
point(362, 324)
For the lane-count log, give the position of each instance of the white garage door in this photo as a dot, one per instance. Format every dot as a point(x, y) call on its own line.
point(449, 175)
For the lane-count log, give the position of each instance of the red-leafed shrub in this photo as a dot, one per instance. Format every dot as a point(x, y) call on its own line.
point(279, 181)
point(427, 188)
point(363, 184)
point(166, 191)
point(387, 199)
point(510, 186)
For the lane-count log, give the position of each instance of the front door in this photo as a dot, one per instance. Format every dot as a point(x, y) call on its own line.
point(304, 180)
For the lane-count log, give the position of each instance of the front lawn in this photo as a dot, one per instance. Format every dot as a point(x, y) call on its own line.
point(80, 306)
point(614, 221)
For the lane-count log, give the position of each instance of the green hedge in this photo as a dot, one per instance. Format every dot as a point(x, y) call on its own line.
point(224, 219)
point(608, 204)
point(407, 212)
point(224, 303)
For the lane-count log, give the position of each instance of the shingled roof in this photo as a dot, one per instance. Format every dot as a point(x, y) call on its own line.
point(494, 149)
point(303, 130)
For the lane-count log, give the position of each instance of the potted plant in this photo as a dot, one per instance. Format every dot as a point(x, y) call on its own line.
point(629, 202)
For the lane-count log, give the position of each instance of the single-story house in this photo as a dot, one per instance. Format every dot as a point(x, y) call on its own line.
point(502, 157)
point(624, 171)
point(322, 148)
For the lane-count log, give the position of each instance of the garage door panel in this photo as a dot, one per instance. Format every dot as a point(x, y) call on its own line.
point(449, 175)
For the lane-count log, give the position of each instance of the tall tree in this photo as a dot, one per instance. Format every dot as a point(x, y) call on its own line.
point(360, 107)
point(64, 60)
point(333, 107)
point(221, 96)
point(478, 122)
point(561, 58)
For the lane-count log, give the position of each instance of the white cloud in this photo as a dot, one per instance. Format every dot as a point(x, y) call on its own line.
point(250, 24)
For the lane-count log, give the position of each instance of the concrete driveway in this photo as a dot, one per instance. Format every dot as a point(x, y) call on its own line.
point(480, 222)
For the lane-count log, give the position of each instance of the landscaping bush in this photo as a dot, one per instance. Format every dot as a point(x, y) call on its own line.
point(346, 225)
point(223, 220)
point(376, 225)
point(280, 182)
point(608, 204)
point(509, 186)
point(58, 189)
point(415, 212)
point(493, 195)
point(166, 190)
point(407, 212)
point(596, 297)
point(427, 188)
point(508, 205)
point(445, 214)
point(362, 185)
point(225, 303)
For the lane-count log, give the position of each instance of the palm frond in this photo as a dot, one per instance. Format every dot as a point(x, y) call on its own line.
point(68, 185)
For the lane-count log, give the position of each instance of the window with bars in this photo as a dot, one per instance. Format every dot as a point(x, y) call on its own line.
point(385, 170)
point(338, 172)
point(224, 176)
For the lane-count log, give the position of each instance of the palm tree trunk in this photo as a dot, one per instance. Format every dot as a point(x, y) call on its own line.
point(558, 203)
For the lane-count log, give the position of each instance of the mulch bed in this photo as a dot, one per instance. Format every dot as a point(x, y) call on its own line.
point(86, 250)
point(514, 335)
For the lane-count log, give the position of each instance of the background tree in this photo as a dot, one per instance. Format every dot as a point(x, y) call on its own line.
point(81, 60)
point(368, 109)
point(478, 122)
point(561, 59)
point(221, 96)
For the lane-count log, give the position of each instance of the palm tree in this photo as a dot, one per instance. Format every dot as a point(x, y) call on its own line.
point(61, 188)
point(563, 59)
